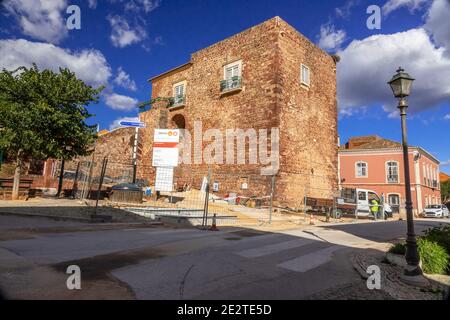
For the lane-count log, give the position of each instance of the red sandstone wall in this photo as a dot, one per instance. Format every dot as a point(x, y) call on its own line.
point(271, 97)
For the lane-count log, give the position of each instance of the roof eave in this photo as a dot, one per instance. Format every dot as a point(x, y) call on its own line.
point(185, 65)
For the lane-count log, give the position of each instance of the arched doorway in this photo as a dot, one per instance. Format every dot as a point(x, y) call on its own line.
point(178, 122)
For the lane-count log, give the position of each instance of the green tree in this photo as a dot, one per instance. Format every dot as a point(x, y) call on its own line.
point(43, 115)
point(445, 191)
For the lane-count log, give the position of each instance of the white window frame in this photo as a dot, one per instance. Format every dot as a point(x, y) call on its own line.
point(302, 68)
point(234, 64)
point(394, 194)
point(387, 171)
point(357, 171)
point(424, 172)
point(176, 85)
point(438, 178)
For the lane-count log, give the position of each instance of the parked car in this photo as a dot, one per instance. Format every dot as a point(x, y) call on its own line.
point(436, 211)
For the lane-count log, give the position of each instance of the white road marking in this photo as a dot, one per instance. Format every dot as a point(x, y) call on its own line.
point(162, 232)
point(274, 248)
point(309, 261)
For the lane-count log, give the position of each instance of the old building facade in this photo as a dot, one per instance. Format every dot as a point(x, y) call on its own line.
point(376, 164)
point(267, 77)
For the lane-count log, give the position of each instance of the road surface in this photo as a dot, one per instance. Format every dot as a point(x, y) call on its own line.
point(170, 263)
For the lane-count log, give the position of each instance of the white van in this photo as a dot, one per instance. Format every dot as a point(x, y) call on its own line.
point(357, 201)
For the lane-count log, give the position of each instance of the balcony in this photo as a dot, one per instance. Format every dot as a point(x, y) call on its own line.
point(392, 179)
point(231, 85)
point(177, 102)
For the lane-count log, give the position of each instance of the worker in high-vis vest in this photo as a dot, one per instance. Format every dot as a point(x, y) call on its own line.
point(375, 208)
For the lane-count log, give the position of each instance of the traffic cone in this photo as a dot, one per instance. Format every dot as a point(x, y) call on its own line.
point(214, 225)
point(311, 219)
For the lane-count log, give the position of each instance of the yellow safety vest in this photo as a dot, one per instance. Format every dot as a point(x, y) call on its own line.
point(374, 206)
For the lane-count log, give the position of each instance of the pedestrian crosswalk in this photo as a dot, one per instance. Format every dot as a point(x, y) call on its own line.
point(274, 248)
point(310, 261)
point(302, 254)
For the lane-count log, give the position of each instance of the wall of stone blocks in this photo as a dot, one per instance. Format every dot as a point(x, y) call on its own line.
point(271, 97)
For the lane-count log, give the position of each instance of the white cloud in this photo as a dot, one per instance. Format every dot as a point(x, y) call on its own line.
point(366, 66)
point(120, 102)
point(412, 5)
point(42, 20)
point(146, 5)
point(438, 23)
point(116, 124)
point(92, 4)
point(345, 10)
point(445, 163)
point(122, 34)
point(89, 65)
point(447, 117)
point(330, 39)
point(123, 79)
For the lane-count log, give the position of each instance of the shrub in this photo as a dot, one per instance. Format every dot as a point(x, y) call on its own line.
point(439, 235)
point(435, 259)
point(398, 248)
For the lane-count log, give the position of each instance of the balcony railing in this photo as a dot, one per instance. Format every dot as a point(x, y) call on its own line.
point(392, 179)
point(232, 84)
point(178, 101)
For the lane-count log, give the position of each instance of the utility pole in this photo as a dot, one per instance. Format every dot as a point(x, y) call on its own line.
point(136, 137)
point(272, 190)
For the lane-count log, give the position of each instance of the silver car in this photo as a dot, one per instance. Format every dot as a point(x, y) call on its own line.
point(436, 211)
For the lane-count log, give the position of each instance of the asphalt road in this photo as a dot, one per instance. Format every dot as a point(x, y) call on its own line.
point(168, 263)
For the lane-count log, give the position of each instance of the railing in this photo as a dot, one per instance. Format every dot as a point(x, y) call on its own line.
point(392, 179)
point(230, 84)
point(178, 101)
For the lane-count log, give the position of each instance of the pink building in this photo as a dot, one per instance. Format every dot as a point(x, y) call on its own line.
point(375, 163)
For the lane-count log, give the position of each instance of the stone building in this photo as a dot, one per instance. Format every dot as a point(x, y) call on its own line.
point(269, 76)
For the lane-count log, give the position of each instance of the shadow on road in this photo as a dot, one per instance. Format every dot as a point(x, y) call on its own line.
point(380, 231)
point(242, 262)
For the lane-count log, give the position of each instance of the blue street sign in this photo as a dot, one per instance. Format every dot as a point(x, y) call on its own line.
point(132, 124)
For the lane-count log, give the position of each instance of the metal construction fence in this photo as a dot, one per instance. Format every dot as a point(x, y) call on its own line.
point(198, 194)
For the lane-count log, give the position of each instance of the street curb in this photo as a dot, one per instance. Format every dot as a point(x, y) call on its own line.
point(76, 219)
point(37, 215)
point(396, 259)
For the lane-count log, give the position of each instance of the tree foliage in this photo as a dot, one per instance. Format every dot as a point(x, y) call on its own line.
point(43, 114)
point(445, 191)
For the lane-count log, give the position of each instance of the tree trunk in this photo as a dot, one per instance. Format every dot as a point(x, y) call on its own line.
point(16, 184)
point(61, 178)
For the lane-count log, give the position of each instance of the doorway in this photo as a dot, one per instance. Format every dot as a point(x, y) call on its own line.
point(394, 202)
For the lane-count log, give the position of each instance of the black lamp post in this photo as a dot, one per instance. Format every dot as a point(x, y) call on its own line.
point(401, 86)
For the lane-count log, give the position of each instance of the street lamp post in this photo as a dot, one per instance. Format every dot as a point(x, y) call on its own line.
point(401, 86)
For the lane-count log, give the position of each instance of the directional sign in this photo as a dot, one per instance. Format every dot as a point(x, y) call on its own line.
point(135, 124)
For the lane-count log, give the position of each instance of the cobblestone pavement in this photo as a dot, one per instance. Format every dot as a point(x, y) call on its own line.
point(391, 283)
point(351, 291)
point(392, 287)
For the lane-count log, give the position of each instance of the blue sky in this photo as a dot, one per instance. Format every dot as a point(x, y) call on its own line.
point(123, 43)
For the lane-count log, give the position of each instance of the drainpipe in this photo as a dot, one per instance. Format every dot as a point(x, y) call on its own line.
point(339, 163)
